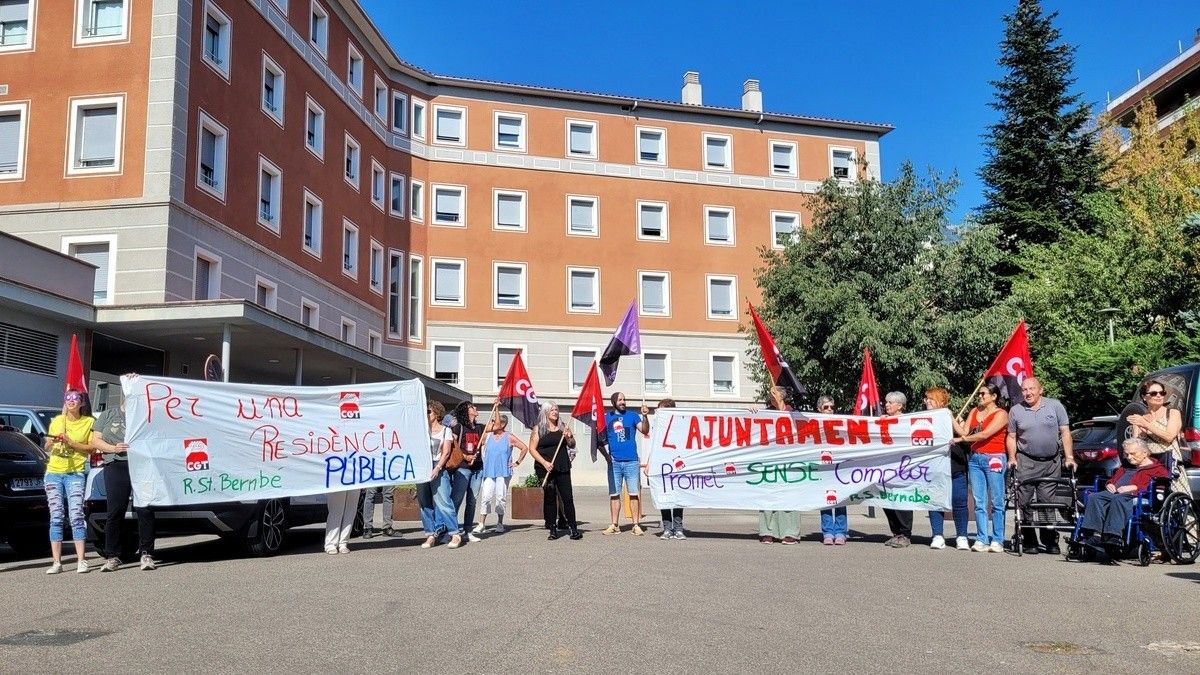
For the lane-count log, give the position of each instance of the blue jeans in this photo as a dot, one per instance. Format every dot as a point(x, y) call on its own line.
point(64, 494)
point(958, 506)
point(987, 487)
point(425, 500)
point(452, 487)
point(474, 483)
point(626, 470)
point(834, 522)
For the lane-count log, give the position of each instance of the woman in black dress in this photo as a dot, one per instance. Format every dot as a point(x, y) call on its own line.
point(554, 458)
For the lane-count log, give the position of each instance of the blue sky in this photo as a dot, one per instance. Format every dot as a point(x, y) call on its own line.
point(924, 67)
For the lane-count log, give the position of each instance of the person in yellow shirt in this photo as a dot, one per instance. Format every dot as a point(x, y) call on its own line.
point(69, 442)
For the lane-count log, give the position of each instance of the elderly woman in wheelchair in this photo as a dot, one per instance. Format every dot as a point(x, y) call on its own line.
point(1108, 511)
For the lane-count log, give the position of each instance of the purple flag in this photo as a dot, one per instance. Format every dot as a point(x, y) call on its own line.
point(626, 340)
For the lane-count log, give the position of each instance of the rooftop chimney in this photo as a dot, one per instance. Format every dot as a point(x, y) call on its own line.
point(691, 88)
point(751, 96)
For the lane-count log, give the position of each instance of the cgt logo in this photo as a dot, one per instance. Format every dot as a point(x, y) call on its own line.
point(195, 454)
point(831, 497)
point(922, 431)
point(525, 388)
point(349, 405)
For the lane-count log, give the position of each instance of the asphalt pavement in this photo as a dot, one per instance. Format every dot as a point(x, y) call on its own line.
point(717, 602)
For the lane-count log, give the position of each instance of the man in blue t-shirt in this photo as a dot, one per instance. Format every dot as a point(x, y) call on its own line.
point(621, 427)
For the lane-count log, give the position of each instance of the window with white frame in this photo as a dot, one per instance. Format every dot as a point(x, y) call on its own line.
point(656, 372)
point(266, 294)
point(351, 173)
point(651, 146)
point(842, 164)
point(448, 125)
point(416, 297)
point(313, 208)
point(722, 292)
point(448, 205)
point(100, 254)
point(354, 71)
point(310, 313)
point(447, 282)
point(13, 119)
point(581, 139)
point(272, 89)
point(270, 194)
point(16, 24)
point(581, 363)
point(509, 209)
point(418, 119)
point(218, 32)
point(100, 20)
point(783, 159)
point(318, 28)
point(510, 131)
point(717, 153)
point(509, 280)
point(723, 368)
point(652, 220)
point(396, 196)
point(395, 293)
point(504, 356)
point(96, 135)
point(374, 342)
point(207, 277)
point(349, 249)
point(783, 228)
point(583, 290)
point(416, 200)
point(654, 294)
point(375, 267)
point(349, 331)
point(399, 112)
point(582, 215)
point(210, 166)
point(447, 363)
point(381, 99)
point(718, 225)
point(377, 178)
point(314, 128)
point(282, 5)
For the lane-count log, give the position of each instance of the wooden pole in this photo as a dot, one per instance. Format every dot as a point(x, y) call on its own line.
point(560, 444)
point(968, 402)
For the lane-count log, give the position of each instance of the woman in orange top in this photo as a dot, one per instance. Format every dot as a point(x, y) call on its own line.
point(986, 430)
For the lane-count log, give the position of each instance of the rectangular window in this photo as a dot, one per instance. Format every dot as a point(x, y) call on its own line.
point(12, 141)
point(416, 297)
point(100, 255)
point(312, 224)
point(581, 216)
point(207, 279)
point(100, 20)
point(651, 146)
point(718, 226)
point(510, 131)
point(447, 282)
point(783, 228)
point(354, 71)
point(374, 343)
point(375, 267)
point(352, 162)
point(652, 220)
point(656, 371)
point(96, 135)
point(723, 369)
point(447, 363)
point(581, 363)
point(509, 209)
point(721, 294)
point(210, 169)
point(448, 125)
point(349, 249)
point(16, 24)
point(266, 294)
point(318, 29)
point(783, 159)
point(218, 31)
point(583, 290)
point(654, 294)
point(418, 120)
point(349, 331)
point(717, 153)
point(395, 292)
point(399, 113)
point(504, 358)
point(381, 99)
point(510, 286)
point(581, 139)
point(448, 205)
point(842, 164)
point(314, 129)
point(396, 196)
point(377, 185)
point(270, 194)
point(309, 313)
point(416, 200)
point(272, 89)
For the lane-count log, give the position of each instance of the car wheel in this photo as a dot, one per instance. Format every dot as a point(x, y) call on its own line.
point(1124, 428)
point(266, 531)
point(29, 543)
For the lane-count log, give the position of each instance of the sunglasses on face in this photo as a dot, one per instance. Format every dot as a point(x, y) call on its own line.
point(1156, 393)
point(72, 399)
point(826, 408)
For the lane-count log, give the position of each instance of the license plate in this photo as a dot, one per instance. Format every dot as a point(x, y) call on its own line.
point(27, 484)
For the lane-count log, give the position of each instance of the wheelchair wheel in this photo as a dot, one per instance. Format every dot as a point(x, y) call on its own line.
point(1179, 529)
point(1143, 553)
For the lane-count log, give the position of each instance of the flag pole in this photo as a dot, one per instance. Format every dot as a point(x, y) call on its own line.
point(553, 458)
point(974, 391)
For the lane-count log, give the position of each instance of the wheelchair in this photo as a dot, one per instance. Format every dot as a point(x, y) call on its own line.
point(1161, 521)
point(1061, 512)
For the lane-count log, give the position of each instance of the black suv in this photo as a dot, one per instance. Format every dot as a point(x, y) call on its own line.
point(24, 516)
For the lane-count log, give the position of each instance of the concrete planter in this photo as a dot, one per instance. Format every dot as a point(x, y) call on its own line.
point(405, 507)
point(525, 504)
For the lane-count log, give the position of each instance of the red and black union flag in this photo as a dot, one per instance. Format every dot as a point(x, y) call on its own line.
point(1012, 364)
point(589, 407)
point(517, 393)
point(781, 373)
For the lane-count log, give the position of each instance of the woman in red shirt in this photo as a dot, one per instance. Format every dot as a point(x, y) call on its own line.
point(986, 430)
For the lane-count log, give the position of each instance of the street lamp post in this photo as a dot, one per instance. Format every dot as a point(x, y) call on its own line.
point(1110, 311)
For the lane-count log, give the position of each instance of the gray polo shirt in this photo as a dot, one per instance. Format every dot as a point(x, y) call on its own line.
point(111, 427)
point(1038, 431)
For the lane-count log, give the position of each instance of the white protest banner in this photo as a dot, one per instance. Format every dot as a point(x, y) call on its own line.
point(772, 460)
point(193, 442)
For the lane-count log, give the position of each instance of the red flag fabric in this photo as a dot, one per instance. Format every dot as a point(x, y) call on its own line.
point(517, 393)
point(75, 377)
point(781, 372)
point(589, 407)
point(1012, 365)
point(867, 401)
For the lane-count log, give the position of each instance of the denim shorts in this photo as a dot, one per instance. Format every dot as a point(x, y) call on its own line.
point(626, 470)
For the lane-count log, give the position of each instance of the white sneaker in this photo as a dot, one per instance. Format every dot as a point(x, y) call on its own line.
point(960, 543)
point(54, 568)
point(148, 562)
point(979, 547)
point(472, 538)
point(83, 567)
point(499, 528)
point(342, 548)
point(996, 547)
point(938, 542)
point(331, 550)
point(479, 529)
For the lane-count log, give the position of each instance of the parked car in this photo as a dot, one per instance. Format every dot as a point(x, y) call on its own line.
point(24, 516)
point(259, 527)
point(1096, 449)
point(1183, 388)
point(31, 420)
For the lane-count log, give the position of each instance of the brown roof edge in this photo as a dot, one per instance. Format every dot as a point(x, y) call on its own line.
point(1175, 69)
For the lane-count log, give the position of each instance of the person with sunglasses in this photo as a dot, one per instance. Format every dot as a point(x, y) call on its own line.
point(986, 429)
point(69, 443)
point(1160, 428)
point(835, 527)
